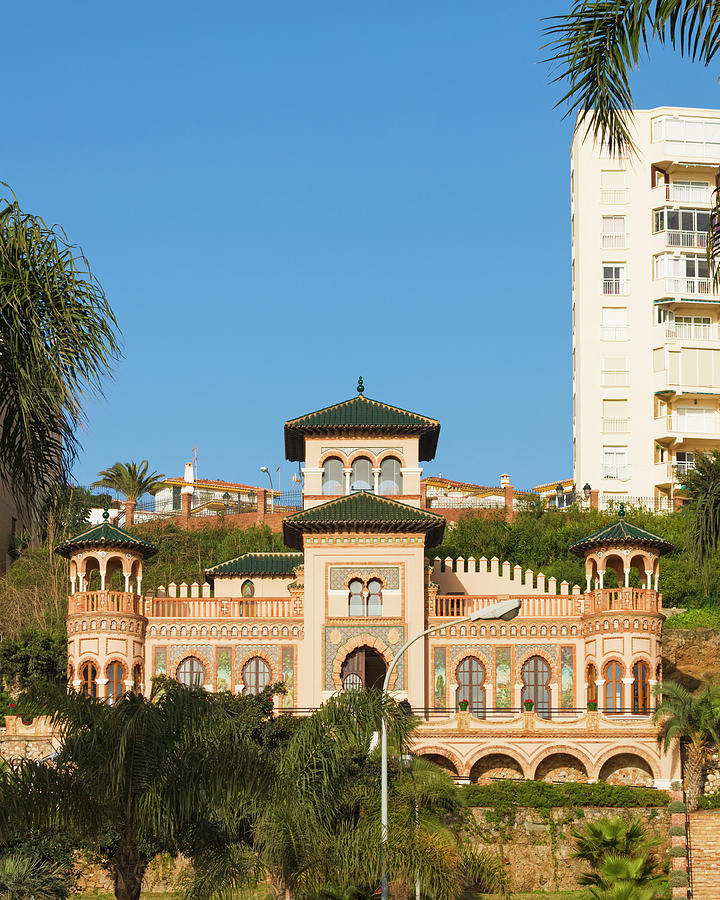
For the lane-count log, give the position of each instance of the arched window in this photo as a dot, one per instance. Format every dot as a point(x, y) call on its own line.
point(362, 667)
point(115, 686)
point(352, 682)
point(374, 597)
point(88, 676)
point(591, 686)
point(470, 678)
point(137, 678)
point(613, 688)
point(536, 680)
point(361, 477)
point(248, 589)
point(390, 476)
point(191, 672)
point(356, 601)
point(641, 688)
point(332, 476)
point(255, 675)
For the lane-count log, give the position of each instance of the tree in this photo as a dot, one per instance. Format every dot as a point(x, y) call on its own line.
point(33, 657)
point(702, 487)
point(29, 877)
point(695, 722)
point(58, 341)
point(622, 864)
point(131, 778)
point(130, 480)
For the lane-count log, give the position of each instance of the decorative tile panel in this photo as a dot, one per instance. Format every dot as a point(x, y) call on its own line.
point(393, 636)
point(340, 574)
point(223, 669)
point(287, 672)
point(567, 692)
point(502, 678)
point(439, 676)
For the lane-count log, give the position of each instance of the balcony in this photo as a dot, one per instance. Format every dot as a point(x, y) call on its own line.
point(614, 333)
point(617, 472)
point(607, 599)
point(686, 333)
point(615, 426)
point(614, 195)
point(682, 193)
point(105, 601)
point(688, 239)
point(679, 287)
point(615, 241)
point(615, 287)
point(687, 426)
point(220, 608)
point(543, 606)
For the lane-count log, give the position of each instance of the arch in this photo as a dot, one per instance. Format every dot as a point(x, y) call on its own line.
point(570, 765)
point(524, 657)
point(255, 675)
point(627, 768)
point(363, 667)
point(89, 671)
point(115, 672)
point(361, 640)
point(496, 766)
point(391, 479)
point(613, 672)
point(470, 679)
point(114, 564)
point(514, 754)
point(333, 476)
point(536, 675)
point(616, 564)
point(191, 672)
point(641, 686)
point(442, 761)
point(248, 588)
point(642, 565)
point(91, 573)
point(430, 750)
point(361, 474)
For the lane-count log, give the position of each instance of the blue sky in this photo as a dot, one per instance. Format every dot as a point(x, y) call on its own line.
point(278, 197)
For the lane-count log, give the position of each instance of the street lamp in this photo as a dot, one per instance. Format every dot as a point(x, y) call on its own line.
point(267, 472)
point(587, 490)
point(505, 609)
point(559, 495)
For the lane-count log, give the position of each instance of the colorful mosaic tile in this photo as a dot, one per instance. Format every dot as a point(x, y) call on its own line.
point(393, 636)
point(340, 574)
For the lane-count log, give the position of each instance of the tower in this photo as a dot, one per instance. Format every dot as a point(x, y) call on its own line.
point(105, 623)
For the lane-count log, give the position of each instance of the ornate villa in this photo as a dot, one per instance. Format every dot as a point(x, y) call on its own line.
point(563, 691)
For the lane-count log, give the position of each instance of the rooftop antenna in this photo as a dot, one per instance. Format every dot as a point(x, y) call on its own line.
point(195, 464)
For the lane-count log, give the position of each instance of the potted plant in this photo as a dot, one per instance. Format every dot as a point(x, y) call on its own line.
point(528, 705)
point(463, 704)
point(592, 706)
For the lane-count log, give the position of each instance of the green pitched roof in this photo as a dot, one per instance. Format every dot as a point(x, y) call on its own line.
point(106, 535)
point(281, 564)
point(360, 414)
point(622, 532)
point(363, 512)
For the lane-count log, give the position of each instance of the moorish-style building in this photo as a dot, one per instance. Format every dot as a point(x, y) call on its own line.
point(563, 691)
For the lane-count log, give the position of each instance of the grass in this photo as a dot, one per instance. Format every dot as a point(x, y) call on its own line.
point(706, 617)
point(540, 895)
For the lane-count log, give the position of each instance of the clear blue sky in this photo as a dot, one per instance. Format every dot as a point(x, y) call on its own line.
point(278, 197)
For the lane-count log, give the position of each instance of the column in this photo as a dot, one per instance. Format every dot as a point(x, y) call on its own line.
point(602, 578)
point(588, 581)
point(347, 472)
point(600, 685)
point(102, 581)
point(517, 703)
point(627, 577)
point(652, 684)
point(127, 582)
point(627, 694)
point(72, 585)
point(376, 479)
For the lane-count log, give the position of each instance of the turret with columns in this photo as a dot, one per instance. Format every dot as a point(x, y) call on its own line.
point(105, 622)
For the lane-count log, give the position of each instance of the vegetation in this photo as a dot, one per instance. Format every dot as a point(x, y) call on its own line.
point(694, 720)
point(33, 657)
point(129, 479)
point(544, 795)
point(30, 877)
point(58, 340)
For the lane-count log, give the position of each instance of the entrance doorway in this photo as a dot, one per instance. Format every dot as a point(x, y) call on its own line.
point(363, 667)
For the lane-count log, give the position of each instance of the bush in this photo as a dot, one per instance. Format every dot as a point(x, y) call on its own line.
point(677, 831)
point(678, 879)
point(676, 806)
point(33, 656)
point(710, 801)
point(678, 851)
point(695, 618)
point(541, 795)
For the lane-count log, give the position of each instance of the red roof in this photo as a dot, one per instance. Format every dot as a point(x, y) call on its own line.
point(210, 483)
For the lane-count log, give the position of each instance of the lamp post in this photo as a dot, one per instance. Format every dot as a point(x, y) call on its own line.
point(559, 495)
point(272, 501)
point(505, 609)
point(587, 491)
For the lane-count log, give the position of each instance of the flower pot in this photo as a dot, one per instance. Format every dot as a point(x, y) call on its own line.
point(592, 706)
point(528, 706)
point(463, 705)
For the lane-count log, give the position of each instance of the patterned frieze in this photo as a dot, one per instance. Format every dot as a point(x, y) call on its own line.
point(339, 575)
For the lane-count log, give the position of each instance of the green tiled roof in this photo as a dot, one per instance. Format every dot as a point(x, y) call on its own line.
point(622, 532)
point(360, 414)
point(282, 564)
point(363, 512)
point(107, 535)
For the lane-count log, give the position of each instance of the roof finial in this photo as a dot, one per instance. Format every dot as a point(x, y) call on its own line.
point(621, 511)
point(106, 514)
point(361, 386)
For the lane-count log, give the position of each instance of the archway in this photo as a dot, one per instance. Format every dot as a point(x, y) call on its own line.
point(442, 761)
point(627, 768)
point(495, 766)
point(363, 667)
point(561, 767)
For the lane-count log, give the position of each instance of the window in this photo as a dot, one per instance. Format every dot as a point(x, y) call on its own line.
point(686, 273)
point(365, 600)
point(641, 688)
point(535, 675)
point(613, 233)
point(390, 476)
point(115, 686)
point(684, 462)
point(332, 476)
point(591, 686)
point(688, 136)
point(690, 191)
point(248, 589)
point(88, 676)
point(614, 323)
point(614, 280)
point(176, 497)
point(361, 476)
point(698, 420)
point(612, 187)
point(615, 464)
point(658, 220)
point(191, 672)
point(613, 688)
point(695, 328)
point(255, 675)
point(685, 227)
point(470, 678)
point(615, 371)
point(615, 416)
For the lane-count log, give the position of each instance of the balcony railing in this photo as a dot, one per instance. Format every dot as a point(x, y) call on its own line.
point(218, 608)
point(700, 287)
point(615, 426)
point(689, 424)
point(615, 286)
point(539, 606)
point(626, 598)
point(613, 333)
point(683, 332)
point(614, 195)
point(106, 601)
point(622, 473)
point(615, 241)
point(697, 239)
point(683, 193)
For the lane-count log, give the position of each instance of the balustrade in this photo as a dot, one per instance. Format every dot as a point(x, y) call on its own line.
point(542, 606)
point(106, 601)
point(219, 608)
point(610, 599)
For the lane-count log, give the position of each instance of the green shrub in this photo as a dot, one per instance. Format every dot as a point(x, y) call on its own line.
point(677, 830)
point(678, 851)
point(678, 879)
point(710, 801)
point(694, 618)
point(676, 806)
point(541, 795)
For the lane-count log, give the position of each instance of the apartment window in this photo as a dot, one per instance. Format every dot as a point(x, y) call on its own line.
point(615, 416)
point(612, 187)
point(615, 462)
point(690, 191)
point(615, 371)
point(697, 420)
point(688, 136)
point(684, 462)
point(658, 220)
point(614, 323)
point(685, 227)
point(695, 328)
point(613, 233)
point(614, 279)
point(698, 367)
point(683, 274)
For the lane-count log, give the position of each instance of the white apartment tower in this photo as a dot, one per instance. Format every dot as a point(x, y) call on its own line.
point(646, 346)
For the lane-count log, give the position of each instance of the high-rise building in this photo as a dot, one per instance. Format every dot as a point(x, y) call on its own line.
point(646, 345)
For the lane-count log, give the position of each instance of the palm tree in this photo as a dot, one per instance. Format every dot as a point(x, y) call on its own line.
point(130, 480)
point(695, 722)
point(622, 864)
point(606, 837)
point(58, 341)
point(29, 877)
point(133, 778)
point(702, 487)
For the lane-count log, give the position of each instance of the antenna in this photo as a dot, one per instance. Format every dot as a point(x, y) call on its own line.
point(195, 463)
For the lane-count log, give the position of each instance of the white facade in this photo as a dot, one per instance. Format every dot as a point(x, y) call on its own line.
point(646, 341)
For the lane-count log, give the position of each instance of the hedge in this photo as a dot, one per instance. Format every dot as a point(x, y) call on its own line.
point(678, 851)
point(711, 801)
point(676, 806)
point(677, 830)
point(542, 795)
